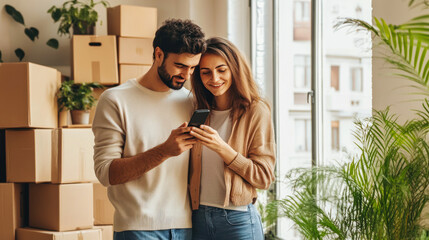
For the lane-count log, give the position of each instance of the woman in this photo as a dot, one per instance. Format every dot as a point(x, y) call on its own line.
point(235, 153)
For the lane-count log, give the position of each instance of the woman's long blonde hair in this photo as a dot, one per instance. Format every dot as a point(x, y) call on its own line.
point(243, 90)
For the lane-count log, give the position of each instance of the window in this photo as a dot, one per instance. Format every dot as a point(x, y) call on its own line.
point(302, 135)
point(335, 57)
point(356, 79)
point(302, 26)
point(300, 98)
point(302, 71)
point(335, 8)
point(302, 11)
point(335, 77)
point(335, 135)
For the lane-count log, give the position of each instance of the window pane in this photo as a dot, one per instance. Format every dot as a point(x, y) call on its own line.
point(302, 71)
point(302, 25)
point(300, 136)
point(335, 135)
point(335, 77)
point(300, 77)
point(348, 95)
point(356, 79)
point(298, 12)
point(344, 84)
point(308, 134)
point(306, 11)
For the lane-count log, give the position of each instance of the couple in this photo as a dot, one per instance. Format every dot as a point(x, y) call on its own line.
point(141, 154)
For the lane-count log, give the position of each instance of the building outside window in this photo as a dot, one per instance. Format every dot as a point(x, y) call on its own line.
point(302, 25)
point(303, 135)
point(302, 72)
point(335, 77)
point(356, 79)
point(335, 135)
point(344, 85)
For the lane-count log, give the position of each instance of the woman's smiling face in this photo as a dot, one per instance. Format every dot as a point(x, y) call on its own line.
point(215, 74)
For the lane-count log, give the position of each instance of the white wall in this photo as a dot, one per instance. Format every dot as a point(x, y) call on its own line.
point(387, 89)
point(211, 15)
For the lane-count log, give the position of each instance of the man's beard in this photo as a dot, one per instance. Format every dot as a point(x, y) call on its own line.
point(167, 79)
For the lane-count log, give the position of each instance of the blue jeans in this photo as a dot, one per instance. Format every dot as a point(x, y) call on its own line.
point(223, 224)
point(169, 234)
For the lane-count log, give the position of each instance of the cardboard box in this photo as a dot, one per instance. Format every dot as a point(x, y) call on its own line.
point(36, 234)
point(28, 155)
point(2, 155)
point(10, 210)
point(132, 21)
point(61, 207)
point(94, 59)
point(135, 50)
point(106, 231)
point(74, 160)
point(127, 72)
point(64, 118)
point(28, 96)
point(103, 208)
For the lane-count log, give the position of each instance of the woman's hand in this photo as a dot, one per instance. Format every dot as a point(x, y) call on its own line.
point(211, 139)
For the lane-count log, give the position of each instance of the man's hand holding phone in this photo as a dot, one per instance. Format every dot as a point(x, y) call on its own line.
point(180, 140)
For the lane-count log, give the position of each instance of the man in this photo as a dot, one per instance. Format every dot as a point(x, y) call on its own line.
point(141, 140)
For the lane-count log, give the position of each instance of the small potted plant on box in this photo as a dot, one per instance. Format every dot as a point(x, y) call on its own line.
point(79, 15)
point(78, 99)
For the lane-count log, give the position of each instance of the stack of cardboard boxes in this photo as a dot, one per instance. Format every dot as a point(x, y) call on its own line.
point(47, 185)
point(135, 28)
point(48, 189)
point(29, 113)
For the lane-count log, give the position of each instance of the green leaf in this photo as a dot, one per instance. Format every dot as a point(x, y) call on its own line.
point(19, 53)
point(53, 43)
point(422, 59)
point(76, 96)
point(394, 36)
point(56, 15)
point(32, 33)
point(15, 14)
point(417, 54)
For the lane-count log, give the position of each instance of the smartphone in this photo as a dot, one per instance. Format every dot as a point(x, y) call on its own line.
point(199, 117)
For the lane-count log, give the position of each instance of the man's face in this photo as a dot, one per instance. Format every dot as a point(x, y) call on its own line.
point(177, 68)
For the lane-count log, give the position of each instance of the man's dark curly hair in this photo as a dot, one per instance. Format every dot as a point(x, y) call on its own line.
point(179, 36)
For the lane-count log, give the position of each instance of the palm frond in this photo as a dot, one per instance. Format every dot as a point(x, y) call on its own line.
point(379, 194)
point(408, 44)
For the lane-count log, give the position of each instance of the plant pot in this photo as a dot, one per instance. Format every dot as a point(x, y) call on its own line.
point(80, 116)
point(88, 29)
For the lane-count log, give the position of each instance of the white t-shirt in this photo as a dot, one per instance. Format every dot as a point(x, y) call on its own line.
point(212, 175)
point(131, 119)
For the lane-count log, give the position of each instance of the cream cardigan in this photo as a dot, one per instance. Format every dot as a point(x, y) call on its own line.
point(252, 136)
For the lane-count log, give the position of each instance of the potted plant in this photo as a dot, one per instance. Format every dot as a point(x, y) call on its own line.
point(78, 99)
point(79, 15)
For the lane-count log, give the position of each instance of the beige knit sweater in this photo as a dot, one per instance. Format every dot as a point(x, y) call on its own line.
point(131, 119)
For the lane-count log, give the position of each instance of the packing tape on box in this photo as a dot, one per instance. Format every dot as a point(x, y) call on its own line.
point(56, 146)
point(95, 68)
point(81, 162)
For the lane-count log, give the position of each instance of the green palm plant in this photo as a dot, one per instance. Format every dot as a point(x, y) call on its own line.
point(379, 194)
point(408, 44)
point(381, 191)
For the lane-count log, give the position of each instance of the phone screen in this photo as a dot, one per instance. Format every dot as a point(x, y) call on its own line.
point(199, 117)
